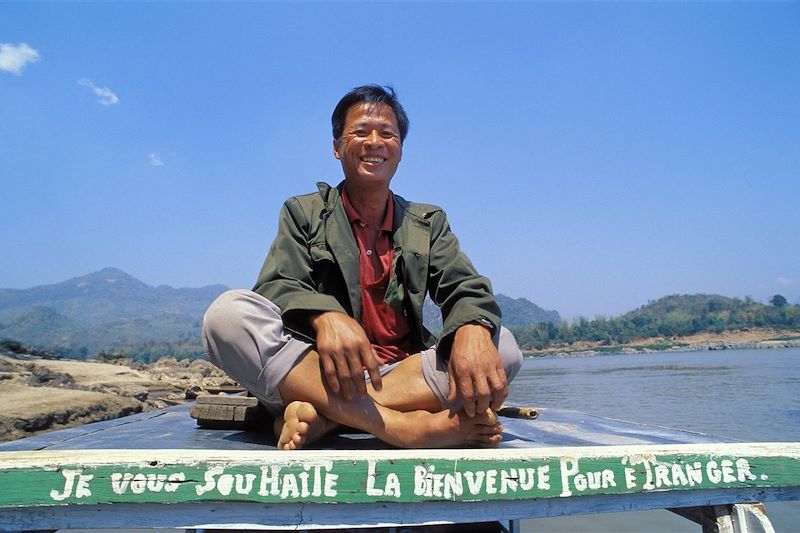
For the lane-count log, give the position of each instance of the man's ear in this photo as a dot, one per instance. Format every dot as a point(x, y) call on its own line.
point(336, 149)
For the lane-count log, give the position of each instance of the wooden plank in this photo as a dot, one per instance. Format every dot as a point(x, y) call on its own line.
point(293, 516)
point(229, 412)
point(738, 518)
point(226, 389)
point(526, 477)
point(88, 477)
point(751, 518)
point(711, 518)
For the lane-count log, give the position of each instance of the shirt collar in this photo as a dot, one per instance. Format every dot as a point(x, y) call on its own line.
point(355, 218)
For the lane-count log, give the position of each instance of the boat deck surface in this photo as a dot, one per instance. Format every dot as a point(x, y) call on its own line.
point(173, 428)
point(161, 470)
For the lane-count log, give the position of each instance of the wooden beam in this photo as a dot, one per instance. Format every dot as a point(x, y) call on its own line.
point(294, 516)
point(83, 477)
point(733, 518)
point(229, 412)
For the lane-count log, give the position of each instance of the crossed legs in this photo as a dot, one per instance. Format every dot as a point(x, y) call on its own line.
point(243, 334)
point(405, 413)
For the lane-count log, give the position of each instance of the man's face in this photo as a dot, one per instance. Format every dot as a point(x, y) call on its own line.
point(370, 147)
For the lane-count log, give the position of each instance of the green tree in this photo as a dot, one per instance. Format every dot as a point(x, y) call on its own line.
point(778, 301)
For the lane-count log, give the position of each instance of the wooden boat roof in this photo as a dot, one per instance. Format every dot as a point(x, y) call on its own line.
point(173, 428)
point(160, 469)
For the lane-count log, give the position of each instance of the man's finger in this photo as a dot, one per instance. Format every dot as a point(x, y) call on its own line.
point(373, 369)
point(482, 392)
point(499, 387)
point(357, 374)
point(329, 369)
point(467, 395)
point(343, 373)
point(452, 396)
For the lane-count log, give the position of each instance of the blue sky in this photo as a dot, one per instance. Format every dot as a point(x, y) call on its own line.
point(591, 156)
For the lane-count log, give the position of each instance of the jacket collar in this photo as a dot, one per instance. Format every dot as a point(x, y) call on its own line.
point(411, 234)
point(342, 243)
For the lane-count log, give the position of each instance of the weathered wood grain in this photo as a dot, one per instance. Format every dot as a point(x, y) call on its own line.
point(229, 412)
point(564, 463)
point(292, 516)
point(399, 476)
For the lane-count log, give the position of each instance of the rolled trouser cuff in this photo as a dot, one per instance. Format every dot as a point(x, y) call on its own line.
point(437, 375)
point(243, 334)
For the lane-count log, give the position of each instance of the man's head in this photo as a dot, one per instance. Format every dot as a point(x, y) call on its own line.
point(369, 126)
point(367, 94)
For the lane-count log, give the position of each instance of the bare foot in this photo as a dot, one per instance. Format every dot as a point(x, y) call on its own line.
point(421, 429)
point(299, 426)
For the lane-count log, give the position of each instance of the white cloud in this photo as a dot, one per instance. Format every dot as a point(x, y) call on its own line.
point(14, 58)
point(155, 160)
point(785, 282)
point(107, 96)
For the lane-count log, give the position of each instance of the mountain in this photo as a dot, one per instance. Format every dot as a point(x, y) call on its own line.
point(111, 310)
point(670, 318)
point(106, 310)
point(520, 311)
point(690, 304)
point(107, 295)
point(686, 314)
point(516, 312)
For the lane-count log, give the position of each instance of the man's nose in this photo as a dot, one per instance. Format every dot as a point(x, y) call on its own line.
point(373, 138)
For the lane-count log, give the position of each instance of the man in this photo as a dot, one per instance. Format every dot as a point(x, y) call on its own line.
point(332, 332)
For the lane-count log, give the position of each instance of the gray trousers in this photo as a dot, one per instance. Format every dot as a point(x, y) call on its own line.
point(243, 335)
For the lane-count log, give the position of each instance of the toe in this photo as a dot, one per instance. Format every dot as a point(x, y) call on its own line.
point(491, 441)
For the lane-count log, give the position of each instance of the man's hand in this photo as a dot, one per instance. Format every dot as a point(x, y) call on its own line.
point(476, 370)
point(344, 352)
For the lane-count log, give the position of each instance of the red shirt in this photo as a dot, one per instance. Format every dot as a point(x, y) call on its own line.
point(387, 329)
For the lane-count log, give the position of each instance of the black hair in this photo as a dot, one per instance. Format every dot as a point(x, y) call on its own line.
point(369, 94)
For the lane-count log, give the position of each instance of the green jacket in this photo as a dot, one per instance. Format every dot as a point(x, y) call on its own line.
point(312, 267)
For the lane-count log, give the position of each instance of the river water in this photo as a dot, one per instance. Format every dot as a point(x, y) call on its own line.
point(749, 395)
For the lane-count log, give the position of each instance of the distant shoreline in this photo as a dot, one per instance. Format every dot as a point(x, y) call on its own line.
point(754, 339)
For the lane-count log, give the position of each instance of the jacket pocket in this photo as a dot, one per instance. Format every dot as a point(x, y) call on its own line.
point(415, 271)
point(323, 267)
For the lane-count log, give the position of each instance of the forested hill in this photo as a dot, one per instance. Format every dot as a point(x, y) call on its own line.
point(108, 310)
point(521, 311)
point(680, 315)
point(112, 311)
point(515, 311)
point(670, 316)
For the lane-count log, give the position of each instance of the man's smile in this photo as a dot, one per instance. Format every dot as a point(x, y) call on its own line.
point(370, 147)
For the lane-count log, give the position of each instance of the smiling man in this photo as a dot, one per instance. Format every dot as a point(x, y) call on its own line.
point(332, 332)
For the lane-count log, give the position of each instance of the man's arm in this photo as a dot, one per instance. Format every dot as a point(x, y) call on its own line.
point(476, 370)
point(471, 323)
point(286, 280)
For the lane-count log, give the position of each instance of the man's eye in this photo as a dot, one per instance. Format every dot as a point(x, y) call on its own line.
point(388, 134)
point(360, 133)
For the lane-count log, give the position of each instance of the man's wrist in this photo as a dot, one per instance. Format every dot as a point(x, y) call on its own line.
point(475, 324)
point(315, 320)
point(485, 323)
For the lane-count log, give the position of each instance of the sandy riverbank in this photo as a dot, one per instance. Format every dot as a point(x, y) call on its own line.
point(729, 340)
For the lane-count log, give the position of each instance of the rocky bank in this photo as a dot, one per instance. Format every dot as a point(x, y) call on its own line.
point(39, 395)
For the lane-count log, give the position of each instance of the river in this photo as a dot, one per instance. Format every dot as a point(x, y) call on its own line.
point(750, 395)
